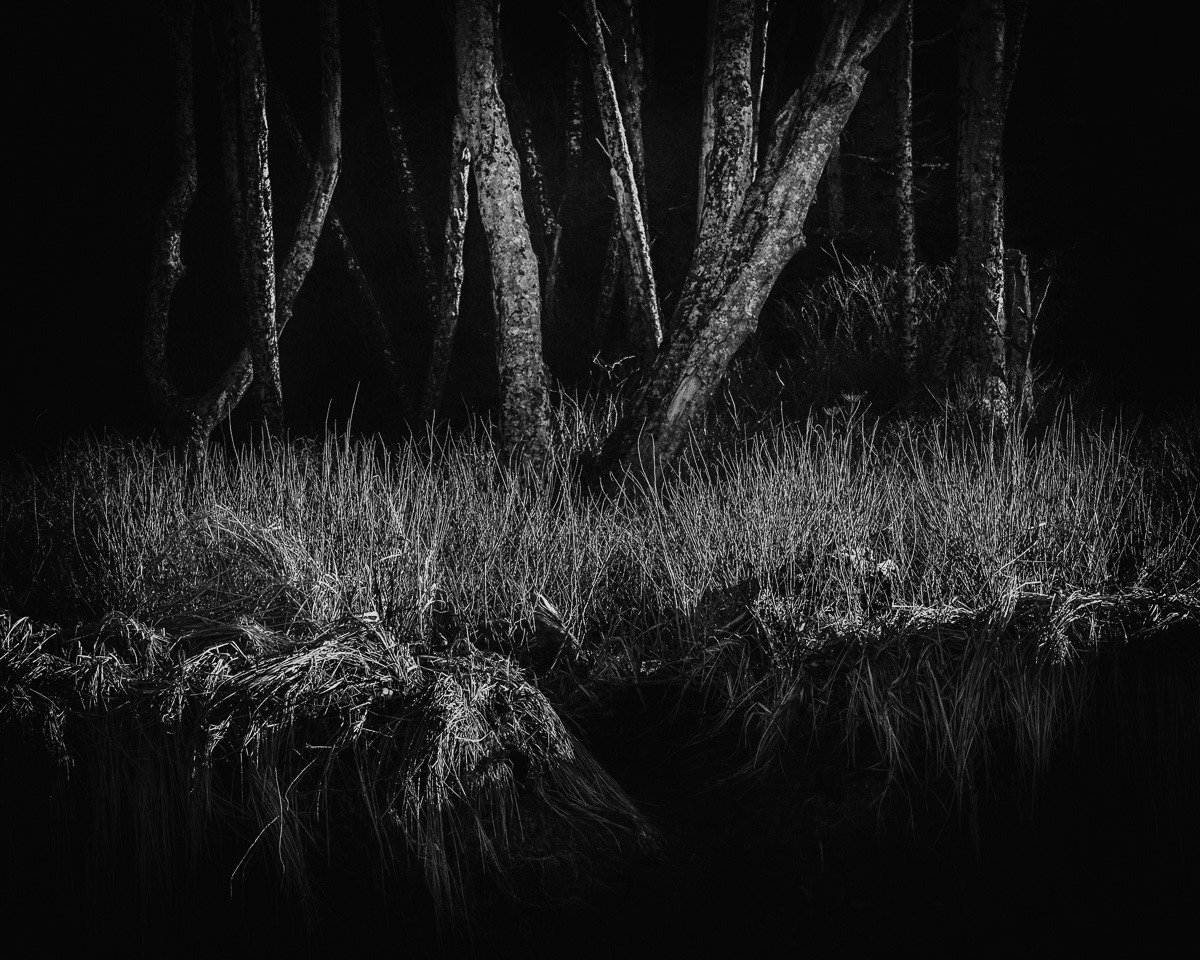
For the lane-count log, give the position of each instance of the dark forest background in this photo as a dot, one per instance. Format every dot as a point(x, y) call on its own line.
point(1098, 195)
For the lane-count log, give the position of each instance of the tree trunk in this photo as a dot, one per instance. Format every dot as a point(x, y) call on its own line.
point(414, 217)
point(749, 230)
point(190, 420)
point(708, 116)
point(645, 327)
point(373, 325)
point(758, 72)
point(258, 237)
point(905, 226)
point(515, 282)
point(452, 275)
point(979, 272)
point(1019, 328)
point(176, 415)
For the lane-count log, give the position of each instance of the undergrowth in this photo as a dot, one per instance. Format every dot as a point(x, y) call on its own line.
point(296, 631)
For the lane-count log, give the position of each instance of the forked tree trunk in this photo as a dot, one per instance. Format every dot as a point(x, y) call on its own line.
point(749, 229)
point(190, 420)
point(905, 227)
point(515, 282)
point(371, 321)
point(645, 326)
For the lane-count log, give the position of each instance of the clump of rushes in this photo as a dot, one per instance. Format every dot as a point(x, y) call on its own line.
point(296, 628)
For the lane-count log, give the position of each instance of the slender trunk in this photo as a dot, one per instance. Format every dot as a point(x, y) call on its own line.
point(646, 326)
point(631, 87)
point(979, 274)
point(758, 71)
point(708, 116)
point(168, 267)
point(1019, 328)
point(323, 173)
point(452, 275)
point(516, 295)
point(414, 217)
point(746, 239)
point(190, 420)
point(373, 324)
point(905, 227)
point(258, 238)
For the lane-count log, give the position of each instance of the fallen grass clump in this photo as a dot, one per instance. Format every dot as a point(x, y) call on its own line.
point(296, 629)
point(202, 728)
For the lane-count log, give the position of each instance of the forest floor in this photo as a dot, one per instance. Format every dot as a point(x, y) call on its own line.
point(847, 680)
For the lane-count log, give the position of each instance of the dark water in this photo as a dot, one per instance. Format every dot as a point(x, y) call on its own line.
point(813, 860)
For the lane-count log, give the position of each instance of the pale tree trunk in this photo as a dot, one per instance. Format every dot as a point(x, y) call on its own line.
point(758, 72)
point(645, 326)
point(452, 275)
point(190, 420)
point(515, 282)
point(414, 217)
point(905, 227)
point(749, 230)
point(630, 82)
point(258, 236)
point(631, 86)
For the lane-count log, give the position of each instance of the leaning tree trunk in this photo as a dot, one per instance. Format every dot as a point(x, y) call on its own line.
point(646, 326)
point(749, 229)
point(189, 421)
point(979, 270)
point(374, 327)
point(516, 294)
point(258, 237)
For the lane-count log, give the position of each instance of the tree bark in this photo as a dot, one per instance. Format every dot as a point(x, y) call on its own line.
point(178, 419)
point(373, 325)
point(645, 327)
point(905, 227)
point(190, 420)
point(515, 282)
point(258, 238)
point(414, 217)
point(708, 116)
point(979, 270)
point(1019, 328)
point(452, 275)
point(746, 237)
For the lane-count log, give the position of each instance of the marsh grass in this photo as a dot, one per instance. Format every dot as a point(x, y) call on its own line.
point(296, 636)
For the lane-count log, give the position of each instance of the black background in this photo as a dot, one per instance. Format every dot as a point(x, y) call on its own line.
point(1096, 146)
